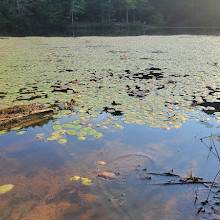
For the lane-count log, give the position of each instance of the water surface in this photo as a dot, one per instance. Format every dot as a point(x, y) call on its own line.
point(149, 100)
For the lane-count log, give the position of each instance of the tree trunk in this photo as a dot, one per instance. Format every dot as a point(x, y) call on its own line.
point(102, 17)
point(109, 11)
point(126, 15)
point(72, 20)
point(134, 15)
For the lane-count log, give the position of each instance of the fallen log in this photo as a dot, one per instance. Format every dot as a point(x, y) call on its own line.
point(18, 113)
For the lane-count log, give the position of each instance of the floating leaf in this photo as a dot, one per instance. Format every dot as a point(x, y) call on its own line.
point(20, 132)
point(57, 127)
point(91, 131)
point(89, 125)
point(72, 132)
point(98, 135)
point(81, 138)
point(68, 125)
point(39, 136)
point(58, 132)
point(15, 128)
point(74, 178)
point(87, 182)
point(76, 121)
point(62, 141)
point(54, 137)
point(118, 126)
point(101, 162)
point(104, 127)
point(78, 127)
point(6, 188)
point(107, 175)
point(2, 132)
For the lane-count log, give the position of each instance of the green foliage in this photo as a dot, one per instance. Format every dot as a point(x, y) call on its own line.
point(78, 6)
point(35, 15)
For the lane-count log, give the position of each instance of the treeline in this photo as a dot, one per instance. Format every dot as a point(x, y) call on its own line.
point(38, 14)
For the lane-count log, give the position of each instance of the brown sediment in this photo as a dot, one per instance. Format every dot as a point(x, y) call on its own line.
point(48, 196)
point(22, 113)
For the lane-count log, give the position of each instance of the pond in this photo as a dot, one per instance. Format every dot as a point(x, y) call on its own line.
point(135, 126)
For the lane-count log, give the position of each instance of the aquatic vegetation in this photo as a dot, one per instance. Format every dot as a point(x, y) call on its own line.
point(84, 180)
point(98, 135)
point(57, 127)
point(62, 141)
point(2, 132)
point(72, 132)
point(75, 178)
point(81, 138)
point(6, 188)
point(20, 132)
point(157, 93)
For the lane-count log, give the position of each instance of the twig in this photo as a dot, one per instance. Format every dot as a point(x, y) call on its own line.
point(212, 184)
point(164, 174)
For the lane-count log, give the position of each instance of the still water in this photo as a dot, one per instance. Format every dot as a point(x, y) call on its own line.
point(142, 106)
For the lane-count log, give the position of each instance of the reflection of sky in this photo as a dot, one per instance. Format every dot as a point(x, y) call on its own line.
point(26, 158)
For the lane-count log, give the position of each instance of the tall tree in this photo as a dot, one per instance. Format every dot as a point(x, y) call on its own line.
point(77, 7)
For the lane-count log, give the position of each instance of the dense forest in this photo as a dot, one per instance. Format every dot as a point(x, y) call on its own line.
point(39, 14)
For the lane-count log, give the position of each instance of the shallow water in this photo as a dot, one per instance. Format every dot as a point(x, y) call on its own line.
point(162, 126)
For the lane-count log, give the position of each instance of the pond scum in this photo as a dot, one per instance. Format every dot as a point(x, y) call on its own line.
point(161, 83)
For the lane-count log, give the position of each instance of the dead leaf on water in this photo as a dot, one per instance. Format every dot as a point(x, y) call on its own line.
point(101, 162)
point(39, 136)
point(107, 175)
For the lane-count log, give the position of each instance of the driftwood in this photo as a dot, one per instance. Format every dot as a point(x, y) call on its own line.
point(18, 113)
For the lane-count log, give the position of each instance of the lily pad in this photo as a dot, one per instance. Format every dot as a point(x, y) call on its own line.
point(104, 127)
point(20, 132)
point(74, 178)
point(78, 127)
point(62, 141)
point(68, 125)
point(72, 132)
point(87, 182)
point(58, 132)
point(81, 138)
point(76, 121)
point(98, 135)
point(15, 128)
point(57, 127)
point(118, 126)
point(6, 188)
point(2, 132)
point(54, 137)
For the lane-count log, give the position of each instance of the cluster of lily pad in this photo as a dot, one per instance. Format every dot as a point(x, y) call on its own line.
point(79, 128)
point(96, 75)
point(84, 180)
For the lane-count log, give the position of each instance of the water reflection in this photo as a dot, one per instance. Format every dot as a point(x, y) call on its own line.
point(41, 174)
point(215, 31)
